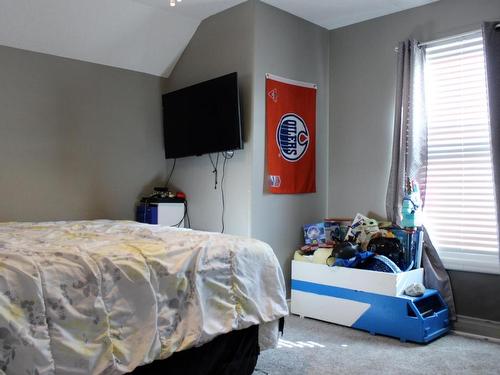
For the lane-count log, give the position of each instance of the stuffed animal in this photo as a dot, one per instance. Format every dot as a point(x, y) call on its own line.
point(362, 230)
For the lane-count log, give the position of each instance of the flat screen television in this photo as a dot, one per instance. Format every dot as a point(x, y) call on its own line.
point(203, 118)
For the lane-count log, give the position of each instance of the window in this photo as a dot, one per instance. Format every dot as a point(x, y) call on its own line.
point(460, 210)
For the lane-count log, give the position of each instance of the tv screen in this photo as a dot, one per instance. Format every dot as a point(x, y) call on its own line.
point(203, 118)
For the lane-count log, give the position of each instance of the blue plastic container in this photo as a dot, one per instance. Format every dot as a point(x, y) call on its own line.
point(147, 213)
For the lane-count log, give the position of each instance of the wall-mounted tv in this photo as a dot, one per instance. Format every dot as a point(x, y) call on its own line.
point(203, 118)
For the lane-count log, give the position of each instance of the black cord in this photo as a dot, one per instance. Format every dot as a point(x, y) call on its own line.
point(226, 155)
point(187, 214)
point(215, 166)
point(171, 172)
point(185, 217)
point(222, 193)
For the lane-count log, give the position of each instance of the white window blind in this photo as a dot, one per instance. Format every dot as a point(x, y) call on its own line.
point(460, 210)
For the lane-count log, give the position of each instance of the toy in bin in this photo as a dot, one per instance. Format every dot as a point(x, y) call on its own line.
point(362, 230)
point(336, 230)
point(314, 234)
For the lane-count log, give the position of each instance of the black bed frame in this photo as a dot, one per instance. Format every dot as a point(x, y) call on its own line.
point(234, 353)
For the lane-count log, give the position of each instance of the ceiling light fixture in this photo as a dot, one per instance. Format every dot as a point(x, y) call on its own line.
point(173, 2)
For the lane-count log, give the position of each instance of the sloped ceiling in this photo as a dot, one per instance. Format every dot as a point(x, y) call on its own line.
point(148, 35)
point(138, 35)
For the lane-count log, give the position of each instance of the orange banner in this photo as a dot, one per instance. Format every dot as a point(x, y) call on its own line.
point(291, 136)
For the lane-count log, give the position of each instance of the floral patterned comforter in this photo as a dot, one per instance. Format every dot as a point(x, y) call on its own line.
point(103, 297)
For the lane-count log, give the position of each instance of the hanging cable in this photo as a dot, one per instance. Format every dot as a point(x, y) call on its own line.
point(227, 155)
point(215, 166)
point(185, 218)
point(222, 193)
point(170, 174)
point(188, 220)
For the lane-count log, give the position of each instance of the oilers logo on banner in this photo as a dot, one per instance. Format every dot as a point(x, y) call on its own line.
point(292, 137)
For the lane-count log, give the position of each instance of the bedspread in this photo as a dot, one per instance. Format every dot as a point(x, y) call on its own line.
point(103, 297)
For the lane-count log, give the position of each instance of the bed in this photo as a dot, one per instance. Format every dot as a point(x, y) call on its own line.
point(114, 297)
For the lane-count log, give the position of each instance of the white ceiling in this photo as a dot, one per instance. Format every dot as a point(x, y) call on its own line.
point(195, 9)
point(148, 35)
point(121, 33)
point(332, 14)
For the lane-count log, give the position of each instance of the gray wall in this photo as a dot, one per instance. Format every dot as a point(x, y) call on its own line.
point(84, 141)
point(476, 294)
point(222, 44)
point(254, 38)
point(290, 47)
point(362, 102)
point(77, 140)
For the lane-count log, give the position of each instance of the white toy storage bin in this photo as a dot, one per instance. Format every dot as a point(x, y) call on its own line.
point(368, 300)
point(341, 310)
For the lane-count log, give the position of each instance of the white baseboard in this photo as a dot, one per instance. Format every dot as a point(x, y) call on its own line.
point(478, 328)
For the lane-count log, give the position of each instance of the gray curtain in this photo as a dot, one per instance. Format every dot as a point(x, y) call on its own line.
point(409, 157)
point(491, 35)
point(409, 149)
point(435, 275)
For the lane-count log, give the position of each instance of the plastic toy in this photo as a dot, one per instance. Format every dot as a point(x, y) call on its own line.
point(411, 206)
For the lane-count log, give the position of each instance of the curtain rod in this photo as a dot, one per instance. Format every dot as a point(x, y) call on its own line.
point(445, 39)
point(423, 44)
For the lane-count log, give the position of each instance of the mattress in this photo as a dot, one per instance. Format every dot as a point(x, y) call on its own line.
point(103, 297)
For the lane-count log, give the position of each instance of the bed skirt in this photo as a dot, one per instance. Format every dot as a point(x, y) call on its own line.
point(233, 353)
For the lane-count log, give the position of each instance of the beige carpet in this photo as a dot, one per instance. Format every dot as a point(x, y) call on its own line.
point(311, 347)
